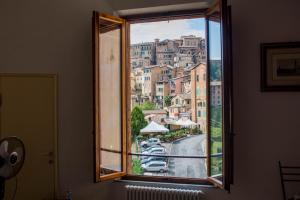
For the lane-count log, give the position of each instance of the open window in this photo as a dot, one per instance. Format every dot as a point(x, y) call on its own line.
point(109, 97)
point(132, 79)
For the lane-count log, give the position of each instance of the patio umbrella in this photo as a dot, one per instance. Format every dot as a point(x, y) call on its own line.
point(154, 127)
point(185, 123)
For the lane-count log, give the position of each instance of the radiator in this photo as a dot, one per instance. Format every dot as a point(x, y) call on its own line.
point(134, 192)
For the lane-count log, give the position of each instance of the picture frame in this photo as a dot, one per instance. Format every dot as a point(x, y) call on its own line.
point(280, 66)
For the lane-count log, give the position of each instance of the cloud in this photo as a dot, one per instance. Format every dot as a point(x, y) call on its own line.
point(147, 32)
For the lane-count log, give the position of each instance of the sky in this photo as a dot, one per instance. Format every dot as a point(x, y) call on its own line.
point(174, 29)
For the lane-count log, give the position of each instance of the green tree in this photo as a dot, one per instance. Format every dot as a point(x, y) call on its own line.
point(167, 100)
point(148, 106)
point(137, 121)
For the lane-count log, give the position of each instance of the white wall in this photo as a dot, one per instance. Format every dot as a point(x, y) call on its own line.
point(55, 37)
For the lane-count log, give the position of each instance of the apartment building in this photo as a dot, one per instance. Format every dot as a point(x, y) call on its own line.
point(165, 52)
point(152, 75)
point(198, 95)
point(180, 106)
point(190, 52)
point(162, 90)
point(142, 54)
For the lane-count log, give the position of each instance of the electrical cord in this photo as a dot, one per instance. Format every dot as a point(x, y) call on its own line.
point(16, 188)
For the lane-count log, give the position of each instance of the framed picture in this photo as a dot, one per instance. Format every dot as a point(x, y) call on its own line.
point(280, 66)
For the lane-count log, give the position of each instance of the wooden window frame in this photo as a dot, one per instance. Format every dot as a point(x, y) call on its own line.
point(226, 98)
point(96, 100)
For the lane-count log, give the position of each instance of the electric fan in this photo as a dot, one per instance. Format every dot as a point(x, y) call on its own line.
point(12, 155)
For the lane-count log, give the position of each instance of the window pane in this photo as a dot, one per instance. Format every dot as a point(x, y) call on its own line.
point(110, 161)
point(172, 167)
point(216, 124)
point(168, 82)
point(110, 95)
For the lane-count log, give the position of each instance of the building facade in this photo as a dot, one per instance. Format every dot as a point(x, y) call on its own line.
point(198, 96)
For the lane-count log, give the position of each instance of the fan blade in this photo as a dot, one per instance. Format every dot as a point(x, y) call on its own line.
point(6, 171)
point(3, 149)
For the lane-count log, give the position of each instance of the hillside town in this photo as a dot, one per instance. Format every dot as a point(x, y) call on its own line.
point(171, 74)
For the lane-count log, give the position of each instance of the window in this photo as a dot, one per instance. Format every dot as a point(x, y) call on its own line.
point(115, 138)
point(199, 113)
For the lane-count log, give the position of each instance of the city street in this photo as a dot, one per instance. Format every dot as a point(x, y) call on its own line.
point(188, 167)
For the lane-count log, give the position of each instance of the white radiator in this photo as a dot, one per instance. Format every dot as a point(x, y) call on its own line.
point(134, 192)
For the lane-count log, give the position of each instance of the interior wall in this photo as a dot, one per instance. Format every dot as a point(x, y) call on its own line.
point(55, 37)
point(131, 4)
point(266, 124)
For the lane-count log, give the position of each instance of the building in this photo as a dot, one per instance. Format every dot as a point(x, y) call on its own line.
point(190, 52)
point(198, 95)
point(165, 52)
point(215, 93)
point(180, 106)
point(152, 75)
point(162, 90)
point(158, 116)
point(142, 54)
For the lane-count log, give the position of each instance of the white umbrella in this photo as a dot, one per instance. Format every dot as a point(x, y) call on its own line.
point(154, 127)
point(185, 123)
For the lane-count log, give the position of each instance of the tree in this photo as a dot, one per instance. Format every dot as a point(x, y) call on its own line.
point(167, 100)
point(137, 121)
point(148, 106)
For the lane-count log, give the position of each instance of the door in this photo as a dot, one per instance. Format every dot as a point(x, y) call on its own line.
point(28, 111)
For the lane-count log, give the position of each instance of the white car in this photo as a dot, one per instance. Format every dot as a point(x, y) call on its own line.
point(155, 166)
point(154, 146)
point(156, 150)
point(154, 158)
point(150, 142)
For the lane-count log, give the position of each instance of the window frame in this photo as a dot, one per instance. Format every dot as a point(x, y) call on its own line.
point(96, 100)
point(126, 93)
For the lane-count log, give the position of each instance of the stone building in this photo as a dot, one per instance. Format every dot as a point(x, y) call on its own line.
point(142, 54)
point(165, 52)
point(190, 52)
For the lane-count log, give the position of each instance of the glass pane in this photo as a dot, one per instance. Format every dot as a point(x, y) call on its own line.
point(171, 167)
point(168, 96)
point(216, 93)
point(110, 162)
point(110, 94)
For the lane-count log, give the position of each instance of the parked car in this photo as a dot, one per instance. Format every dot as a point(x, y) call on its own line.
point(154, 158)
point(150, 142)
point(155, 150)
point(154, 146)
point(155, 166)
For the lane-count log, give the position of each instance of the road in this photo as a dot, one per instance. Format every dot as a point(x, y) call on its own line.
point(188, 167)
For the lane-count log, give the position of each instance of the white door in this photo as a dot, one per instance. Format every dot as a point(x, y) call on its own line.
point(28, 111)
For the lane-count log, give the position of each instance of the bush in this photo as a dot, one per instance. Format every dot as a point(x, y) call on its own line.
point(173, 135)
point(137, 167)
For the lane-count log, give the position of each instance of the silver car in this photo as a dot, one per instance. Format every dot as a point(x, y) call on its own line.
point(150, 142)
point(153, 158)
point(156, 150)
point(155, 166)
